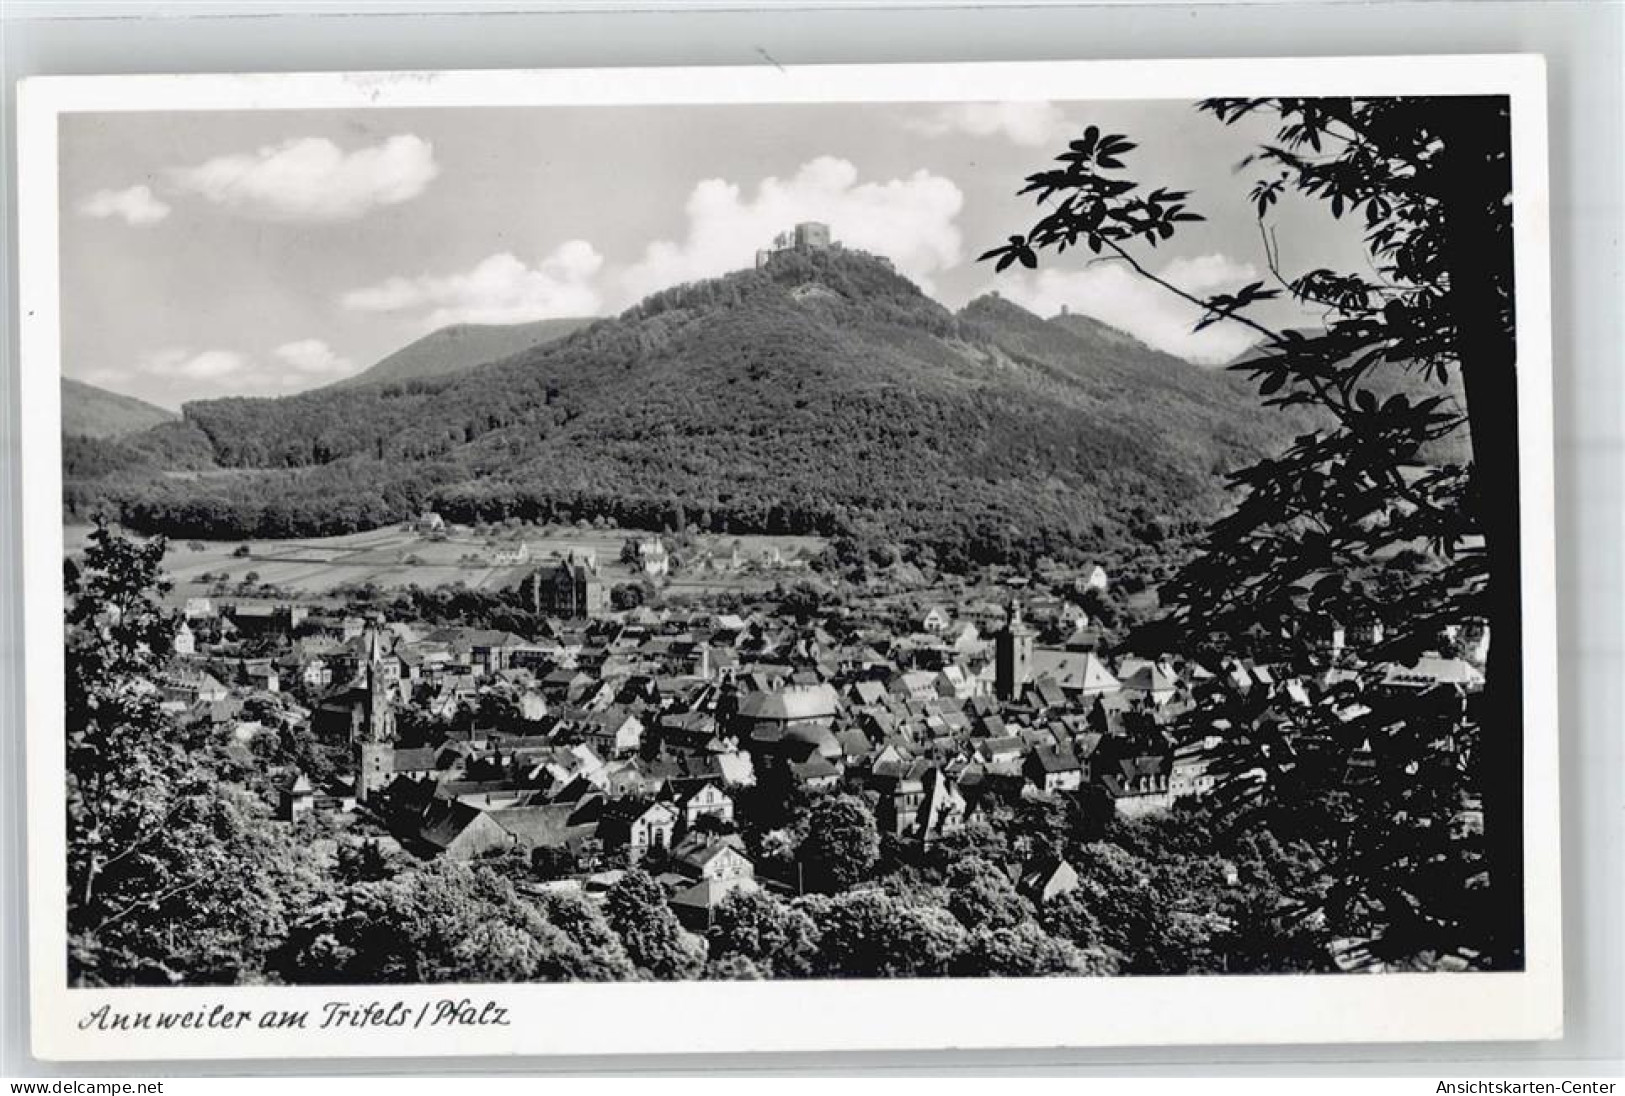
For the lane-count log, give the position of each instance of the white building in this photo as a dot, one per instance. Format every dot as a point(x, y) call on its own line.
point(653, 558)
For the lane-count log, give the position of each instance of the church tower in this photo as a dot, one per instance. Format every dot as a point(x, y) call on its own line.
point(1013, 656)
point(374, 728)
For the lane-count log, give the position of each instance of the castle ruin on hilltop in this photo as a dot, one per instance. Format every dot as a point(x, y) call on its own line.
point(806, 237)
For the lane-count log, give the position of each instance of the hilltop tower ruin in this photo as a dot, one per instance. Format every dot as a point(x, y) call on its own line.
point(804, 238)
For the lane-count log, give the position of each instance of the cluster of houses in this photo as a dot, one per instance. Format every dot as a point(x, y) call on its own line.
point(572, 584)
point(628, 738)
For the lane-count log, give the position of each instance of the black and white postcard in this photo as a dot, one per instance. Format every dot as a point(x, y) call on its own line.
point(861, 557)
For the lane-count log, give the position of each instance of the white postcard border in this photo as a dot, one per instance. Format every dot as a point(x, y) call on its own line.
point(717, 1017)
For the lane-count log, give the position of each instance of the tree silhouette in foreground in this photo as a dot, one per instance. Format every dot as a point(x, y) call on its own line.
point(1374, 516)
point(170, 879)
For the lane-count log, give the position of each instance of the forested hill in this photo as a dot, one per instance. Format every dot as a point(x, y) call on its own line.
point(824, 393)
point(461, 347)
point(1104, 357)
point(91, 412)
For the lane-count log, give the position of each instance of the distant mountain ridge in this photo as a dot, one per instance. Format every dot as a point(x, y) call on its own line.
point(823, 393)
point(461, 347)
point(92, 412)
point(1087, 327)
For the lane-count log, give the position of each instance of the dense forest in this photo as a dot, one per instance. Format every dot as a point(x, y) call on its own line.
point(822, 394)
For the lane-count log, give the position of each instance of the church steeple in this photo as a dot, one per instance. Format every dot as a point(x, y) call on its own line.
point(379, 712)
point(1013, 655)
point(373, 728)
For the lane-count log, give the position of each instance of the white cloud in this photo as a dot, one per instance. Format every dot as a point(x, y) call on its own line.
point(1028, 123)
point(175, 375)
point(911, 221)
point(312, 359)
point(1114, 294)
point(313, 179)
point(179, 363)
point(500, 289)
point(135, 205)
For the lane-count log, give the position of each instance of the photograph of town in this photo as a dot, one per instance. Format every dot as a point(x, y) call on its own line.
point(790, 541)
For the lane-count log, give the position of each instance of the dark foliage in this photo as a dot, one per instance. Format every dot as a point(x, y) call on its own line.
point(841, 844)
point(1409, 353)
point(658, 946)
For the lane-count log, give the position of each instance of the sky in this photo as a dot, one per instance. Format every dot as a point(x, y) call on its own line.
point(262, 253)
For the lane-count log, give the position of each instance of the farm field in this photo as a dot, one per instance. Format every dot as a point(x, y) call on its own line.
point(400, 556)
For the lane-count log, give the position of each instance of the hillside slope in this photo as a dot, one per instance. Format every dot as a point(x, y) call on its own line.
point(461, 347)
point(822, 394)
point(91, 412)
